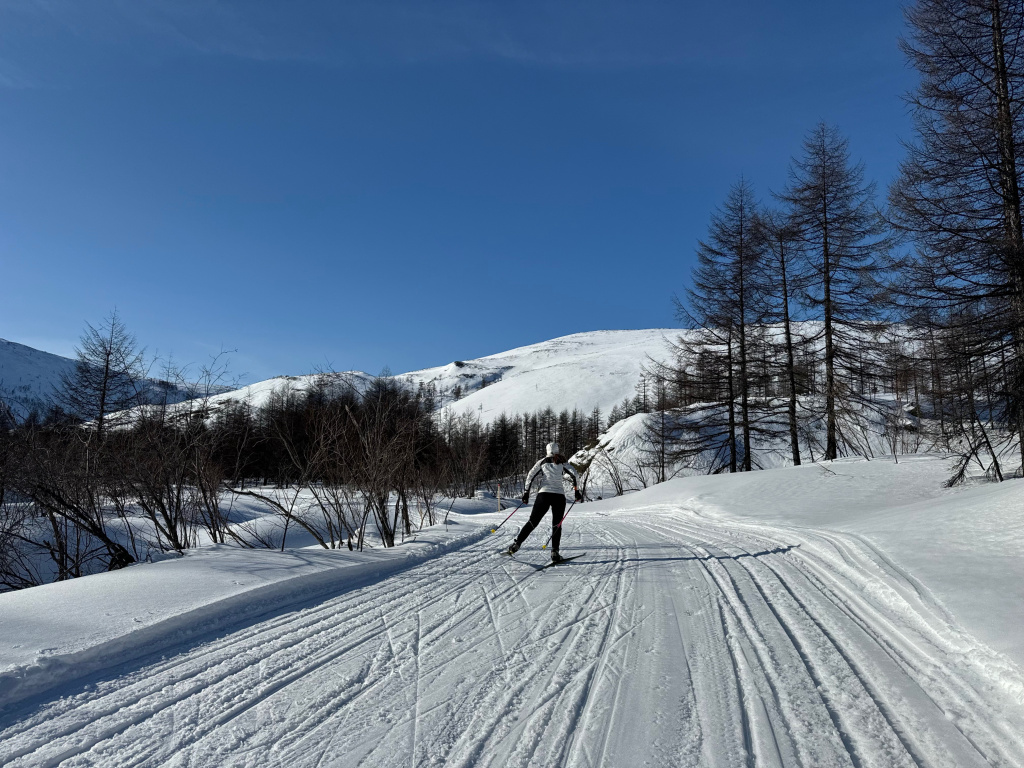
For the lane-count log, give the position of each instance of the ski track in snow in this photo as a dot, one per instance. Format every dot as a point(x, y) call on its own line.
point(674, 642)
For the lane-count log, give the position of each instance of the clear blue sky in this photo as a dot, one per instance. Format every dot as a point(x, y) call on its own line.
point(376, 183)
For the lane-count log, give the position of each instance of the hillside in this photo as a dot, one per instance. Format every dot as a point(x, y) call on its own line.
point(585, 371)
point(28, 376)
point(589, 370)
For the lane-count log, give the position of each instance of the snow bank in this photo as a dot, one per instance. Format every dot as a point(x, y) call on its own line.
point(55, 632)
point(964, 546)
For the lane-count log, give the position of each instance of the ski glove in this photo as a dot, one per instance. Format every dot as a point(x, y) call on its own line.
point(578, 494)
point(526, 498)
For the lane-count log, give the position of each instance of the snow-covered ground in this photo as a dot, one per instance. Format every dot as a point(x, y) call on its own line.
point(966, 544)
point(853, 613)
point(68, 628)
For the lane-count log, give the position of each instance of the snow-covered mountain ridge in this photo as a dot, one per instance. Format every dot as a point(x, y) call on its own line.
point(29, 379)
point(28, 376)
point(596, 369)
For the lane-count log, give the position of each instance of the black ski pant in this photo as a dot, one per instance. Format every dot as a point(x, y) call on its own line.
point(545, 501)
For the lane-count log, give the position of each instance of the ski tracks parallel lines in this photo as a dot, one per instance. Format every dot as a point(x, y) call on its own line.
point(893, 651)
point(717, 645)
point(794, 612)
point(585, 710)
point(844, 708)
point(282, 637)
point(566, 614)
point(419, 683)
point(942, 689)
point(852, 716)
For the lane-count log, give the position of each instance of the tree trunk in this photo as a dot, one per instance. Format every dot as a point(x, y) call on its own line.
point(794, 440)
point(831, 448)
point(732, 405)
point(1010, 192)
point(744, 379)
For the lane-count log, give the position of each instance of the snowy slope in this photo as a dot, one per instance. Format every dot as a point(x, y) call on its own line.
point(624, 453)
point(28, 376)
point(778, 618)
point(585, 371)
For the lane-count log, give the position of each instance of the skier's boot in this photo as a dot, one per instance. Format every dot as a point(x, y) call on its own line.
point(513, 548)
point(556, 558)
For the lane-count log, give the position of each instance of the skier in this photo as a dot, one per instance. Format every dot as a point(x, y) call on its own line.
point(551, 496)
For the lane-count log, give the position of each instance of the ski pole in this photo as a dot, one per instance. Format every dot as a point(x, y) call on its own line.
point(509, 517)
point(559, 523)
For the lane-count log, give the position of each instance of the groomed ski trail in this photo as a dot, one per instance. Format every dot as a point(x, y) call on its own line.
point(675, 642)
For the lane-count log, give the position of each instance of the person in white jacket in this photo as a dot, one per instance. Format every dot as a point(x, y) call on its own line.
point(550, 470)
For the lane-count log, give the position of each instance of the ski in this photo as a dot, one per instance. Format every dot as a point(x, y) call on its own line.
point(563, 561)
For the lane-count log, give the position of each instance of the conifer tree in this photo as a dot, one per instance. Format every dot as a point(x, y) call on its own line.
point(782, 280)
point(843, 238)
point(107, 375)
point(959, 190)
point(723, 303)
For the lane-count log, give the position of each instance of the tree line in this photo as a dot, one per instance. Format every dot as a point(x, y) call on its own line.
point(806, 310)
point(117, 471)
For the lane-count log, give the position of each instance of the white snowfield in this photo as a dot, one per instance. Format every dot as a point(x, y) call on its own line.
point(705, 625)
point(596, 369)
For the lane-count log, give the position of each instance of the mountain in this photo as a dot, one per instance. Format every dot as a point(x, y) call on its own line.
point(596, 369)
point(28, 376)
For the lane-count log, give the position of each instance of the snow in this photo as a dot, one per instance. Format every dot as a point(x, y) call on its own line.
point(597, 369)
point(29, 376)
point(69, 628)
point(965, 544)
point(850, 613)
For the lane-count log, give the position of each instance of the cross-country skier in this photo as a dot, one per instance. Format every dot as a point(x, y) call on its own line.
point(550, 470)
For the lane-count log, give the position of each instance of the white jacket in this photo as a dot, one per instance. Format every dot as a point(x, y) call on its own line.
point(551, 476)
